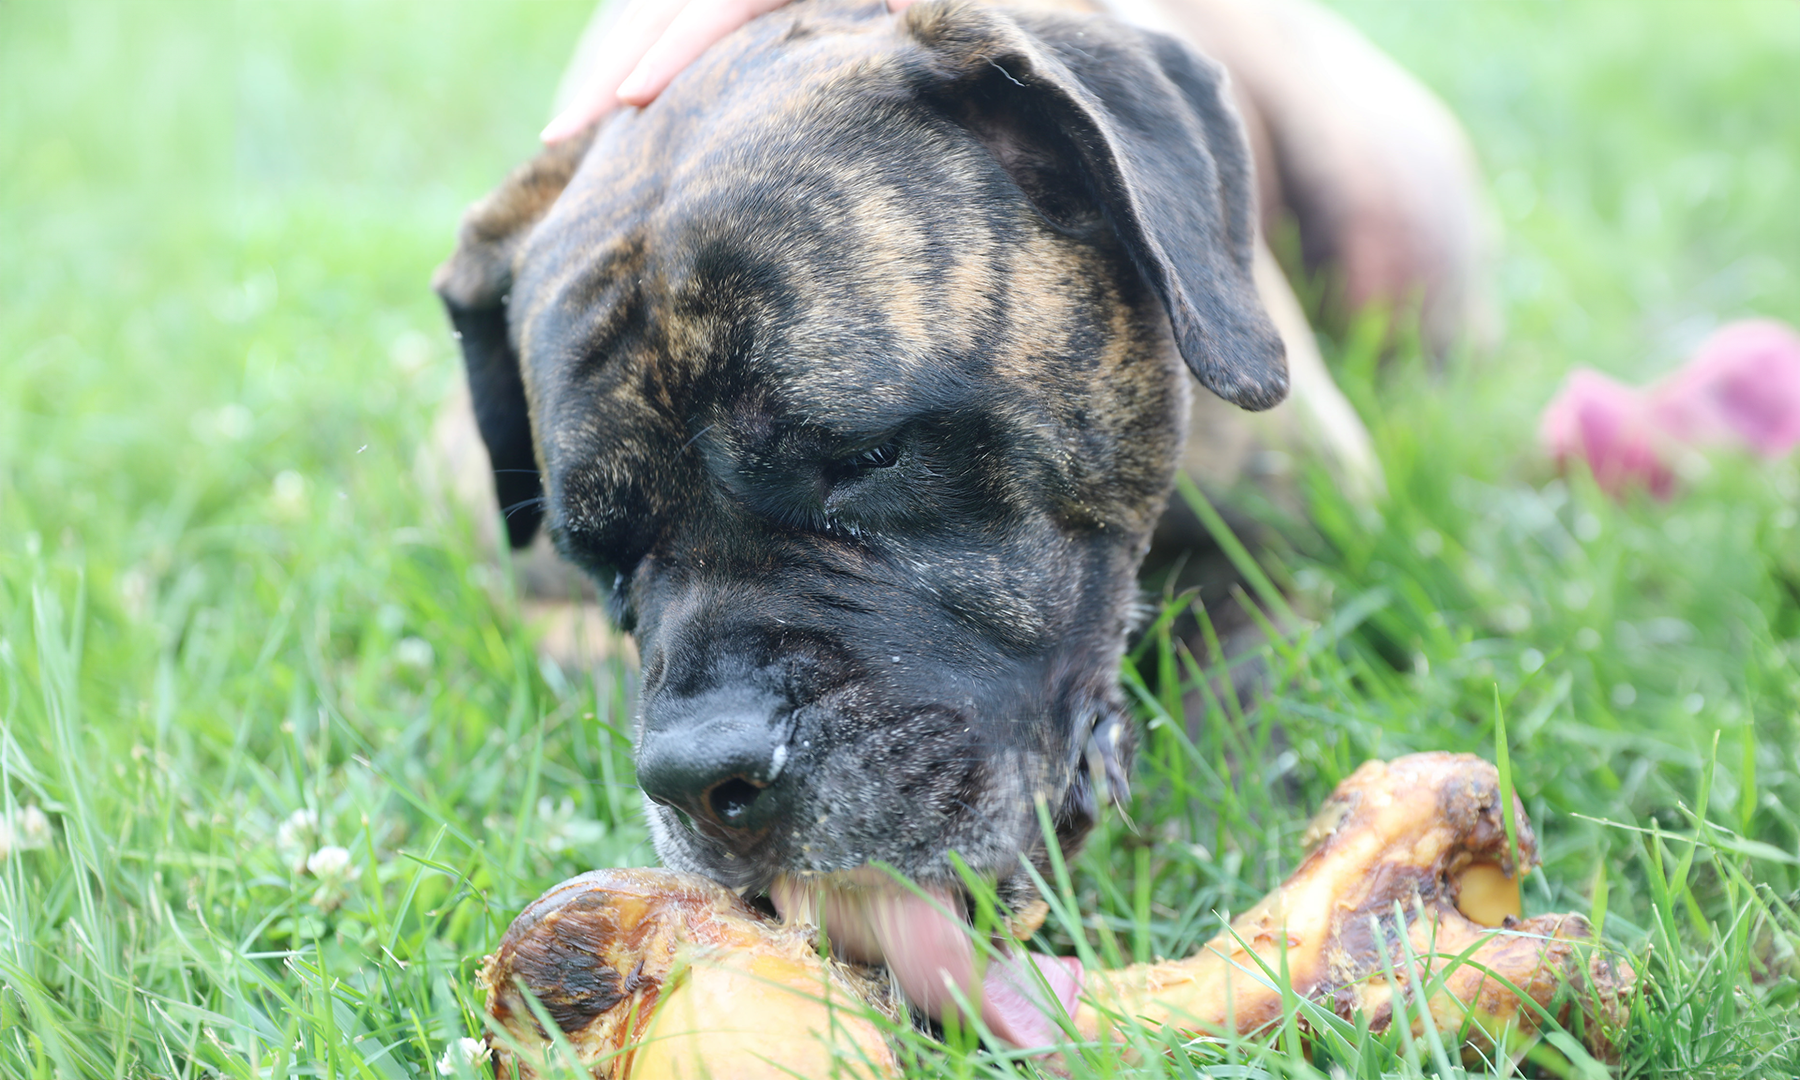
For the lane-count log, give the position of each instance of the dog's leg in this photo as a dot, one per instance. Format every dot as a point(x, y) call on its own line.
point(1316, 423)
point(1228, 448)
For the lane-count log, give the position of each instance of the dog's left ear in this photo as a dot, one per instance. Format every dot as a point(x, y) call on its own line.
point(473, 284)
point(1086, 114)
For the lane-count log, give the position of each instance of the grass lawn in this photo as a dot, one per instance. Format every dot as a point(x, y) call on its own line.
point(233, 632)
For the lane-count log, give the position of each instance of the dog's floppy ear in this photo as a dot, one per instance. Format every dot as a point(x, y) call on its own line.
point(473, 284)
point(1084, 113)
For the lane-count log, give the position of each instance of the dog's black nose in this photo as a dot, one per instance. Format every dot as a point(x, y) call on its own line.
point(716, 757)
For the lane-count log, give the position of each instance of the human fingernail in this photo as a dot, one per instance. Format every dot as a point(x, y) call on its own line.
point(632, 90)
point(557, 130)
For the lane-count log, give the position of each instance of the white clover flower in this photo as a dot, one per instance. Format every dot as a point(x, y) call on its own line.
point(414, 652)
point(470, 1052)
point(332, 866)
point(331, 863)
point(297, 827)
point(25, 830)
point(294, 838)
point(33, 829)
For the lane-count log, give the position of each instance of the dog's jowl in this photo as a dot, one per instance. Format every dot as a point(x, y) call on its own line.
point(855, 370)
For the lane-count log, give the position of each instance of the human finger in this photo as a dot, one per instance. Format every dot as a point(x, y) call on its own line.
point(696, 27)
point(639, 28)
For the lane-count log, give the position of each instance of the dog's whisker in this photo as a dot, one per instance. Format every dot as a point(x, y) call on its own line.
point(696, 437)
point(525, 504)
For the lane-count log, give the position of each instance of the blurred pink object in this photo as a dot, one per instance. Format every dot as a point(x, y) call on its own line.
point(1741, 389)
point(1607, 424)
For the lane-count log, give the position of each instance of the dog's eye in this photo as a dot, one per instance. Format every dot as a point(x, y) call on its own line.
point(885, 456)
point(877, 457)
point(840, 476)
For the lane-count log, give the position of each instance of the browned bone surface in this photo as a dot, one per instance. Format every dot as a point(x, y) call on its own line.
point(1425, 833)
point(656, 974)
point(652, 974)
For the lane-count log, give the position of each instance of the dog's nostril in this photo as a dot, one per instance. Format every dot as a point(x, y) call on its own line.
point(731, 800)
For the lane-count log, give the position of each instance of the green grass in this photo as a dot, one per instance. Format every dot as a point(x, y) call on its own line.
point(232, 630)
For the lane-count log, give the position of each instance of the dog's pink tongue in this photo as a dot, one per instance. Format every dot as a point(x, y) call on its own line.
point(929, 953)
point(1016, 1004)
point(926, 945)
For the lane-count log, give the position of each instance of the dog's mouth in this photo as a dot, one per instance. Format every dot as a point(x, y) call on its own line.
point(924, 937)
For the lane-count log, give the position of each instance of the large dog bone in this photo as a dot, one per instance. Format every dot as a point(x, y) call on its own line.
point(1413, 849)
point(651, 974)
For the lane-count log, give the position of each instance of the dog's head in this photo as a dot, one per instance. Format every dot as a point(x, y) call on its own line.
point(852, 367)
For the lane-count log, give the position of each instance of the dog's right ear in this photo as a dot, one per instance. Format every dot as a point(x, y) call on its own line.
point(1083, 112)
point(473, 285)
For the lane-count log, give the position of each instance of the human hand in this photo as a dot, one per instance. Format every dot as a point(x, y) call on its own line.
point(653, 41)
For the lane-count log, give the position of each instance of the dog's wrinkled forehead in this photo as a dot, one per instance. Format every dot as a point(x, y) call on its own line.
point(851, 220)
point(810, 218)
point(807, 234)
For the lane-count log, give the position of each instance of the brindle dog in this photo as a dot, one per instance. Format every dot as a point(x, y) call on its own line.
point(855, 370)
